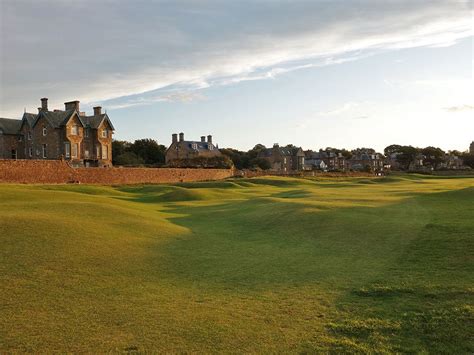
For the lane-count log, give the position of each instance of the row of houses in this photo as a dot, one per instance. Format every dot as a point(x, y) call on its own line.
point(86, 140)
point(290, 159)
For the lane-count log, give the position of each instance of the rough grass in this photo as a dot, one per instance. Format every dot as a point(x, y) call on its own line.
point(255, 265)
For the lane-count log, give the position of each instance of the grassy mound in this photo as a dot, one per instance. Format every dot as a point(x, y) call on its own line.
point(258, 265)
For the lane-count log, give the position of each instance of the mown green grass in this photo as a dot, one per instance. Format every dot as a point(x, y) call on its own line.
point(254, 265)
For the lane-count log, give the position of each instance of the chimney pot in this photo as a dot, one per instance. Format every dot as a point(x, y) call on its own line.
point(44, 104)
point(174, 138)
point(209, 139)
point(71, 105)
point(203, 138)
point(181, 137)
point(97, 110)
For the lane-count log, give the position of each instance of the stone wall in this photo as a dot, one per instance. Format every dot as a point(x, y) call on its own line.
point(258, 173)
point(59, 172)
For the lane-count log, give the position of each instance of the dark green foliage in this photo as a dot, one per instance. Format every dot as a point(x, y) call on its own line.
point(468, 159)
point(142, 151)
point(128, 159)
point(433, 156)
point(247, 160)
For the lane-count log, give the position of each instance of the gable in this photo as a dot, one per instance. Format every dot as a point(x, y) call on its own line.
point(74, 119)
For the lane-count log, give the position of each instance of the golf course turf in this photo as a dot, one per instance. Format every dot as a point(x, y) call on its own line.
point(245, 265)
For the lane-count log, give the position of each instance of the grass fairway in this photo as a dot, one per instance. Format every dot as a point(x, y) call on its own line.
point(257, 265)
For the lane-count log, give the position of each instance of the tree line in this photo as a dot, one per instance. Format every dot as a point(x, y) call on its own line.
point(139, 153)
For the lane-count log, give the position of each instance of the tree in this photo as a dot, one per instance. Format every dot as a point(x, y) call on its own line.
point(149, 150)
point(433, 156)
point(119, 148)
point(262, 163)
point(128, 158)
point(394, 148)
point(406, 156)
point(468, 159)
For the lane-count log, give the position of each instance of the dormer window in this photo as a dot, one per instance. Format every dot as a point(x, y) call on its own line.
point(75, 130)
point(30, 135)
point(105, 133)
point(45, 131)
point(194, 146)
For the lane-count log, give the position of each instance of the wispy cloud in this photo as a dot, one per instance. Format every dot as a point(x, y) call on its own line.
point(129, 50)
point(460, 108)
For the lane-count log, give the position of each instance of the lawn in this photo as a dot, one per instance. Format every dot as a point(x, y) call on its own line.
point(245, 265)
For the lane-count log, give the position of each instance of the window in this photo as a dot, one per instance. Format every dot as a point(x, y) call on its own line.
point(30, 152)
point(67, 150)
point(20, 138)
point(30, 135)
point(45, 153)
point(105, 133)
point(105, 152)
point(45, 131)
point(86, 154)
point(194, 146)
point(13, 153)
point(74, 150)
point(75, 130)
point(97, 151)
point(86, 132)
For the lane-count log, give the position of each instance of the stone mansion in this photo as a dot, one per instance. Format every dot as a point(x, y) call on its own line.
point(67, 134)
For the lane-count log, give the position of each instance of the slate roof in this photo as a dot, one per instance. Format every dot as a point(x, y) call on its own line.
point(56, 118)
point(60, 118)
point(30, 118)
point(198, 144)
point(10, 126)
point(95, 121)
point(282, 151)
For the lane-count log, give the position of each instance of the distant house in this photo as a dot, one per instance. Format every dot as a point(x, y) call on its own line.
point(332, 160)
point(284, 159)
point(183, 150)
point(452, 161)
point(10, 138)
point(67, 134)
point(366, 160)
point(418, 163)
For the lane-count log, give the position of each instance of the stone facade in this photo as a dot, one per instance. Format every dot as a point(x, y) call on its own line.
point(182, 149)
point(284, 159)
point(69, 134)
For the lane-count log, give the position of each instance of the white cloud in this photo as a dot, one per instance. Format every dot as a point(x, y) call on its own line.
point(460, 108)
point(133, 51)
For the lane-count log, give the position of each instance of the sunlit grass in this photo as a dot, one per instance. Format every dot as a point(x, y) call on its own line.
point(254, 265)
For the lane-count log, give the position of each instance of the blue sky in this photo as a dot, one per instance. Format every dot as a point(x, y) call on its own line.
point(312, 73)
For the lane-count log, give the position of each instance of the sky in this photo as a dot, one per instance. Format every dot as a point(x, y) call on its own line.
point(315, 74)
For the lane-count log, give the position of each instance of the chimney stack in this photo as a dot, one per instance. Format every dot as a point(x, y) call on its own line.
point(203, 139)
point(181, 137)
point(71, 105)
point(174, 138)
point(97, 110)
point(44, 104)
point(209, 139)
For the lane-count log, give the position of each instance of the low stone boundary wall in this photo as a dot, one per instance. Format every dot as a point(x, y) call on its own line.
point(59, 172)
point(259, 173)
